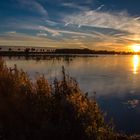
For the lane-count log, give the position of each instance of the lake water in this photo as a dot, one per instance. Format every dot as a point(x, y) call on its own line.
point(114, 78)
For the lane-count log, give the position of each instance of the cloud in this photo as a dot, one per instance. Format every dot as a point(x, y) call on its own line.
point(20, 39)
point(91, 28)
point(11, 32)
point(100, 7)
point(59, 32)
point(85, 36)
point(119, 21)
point(33, 6)
point(50, 22)
point(75, 6)
point(41, 34)
point(52, 31)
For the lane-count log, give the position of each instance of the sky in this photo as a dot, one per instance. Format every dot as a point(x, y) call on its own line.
point(93, 24)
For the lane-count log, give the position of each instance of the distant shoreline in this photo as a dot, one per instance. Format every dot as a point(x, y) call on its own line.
point(22, 54)
point(61, 52)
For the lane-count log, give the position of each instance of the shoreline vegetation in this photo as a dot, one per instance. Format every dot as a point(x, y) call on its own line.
point(41, 110)
point(33, 52)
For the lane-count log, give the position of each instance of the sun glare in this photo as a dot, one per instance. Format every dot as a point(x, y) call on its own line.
point(136, 48)
point(135, 63)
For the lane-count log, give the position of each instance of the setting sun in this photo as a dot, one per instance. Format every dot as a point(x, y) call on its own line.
point(136, 47)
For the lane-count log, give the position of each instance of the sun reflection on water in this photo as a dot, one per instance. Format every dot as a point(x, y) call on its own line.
point(135, 64)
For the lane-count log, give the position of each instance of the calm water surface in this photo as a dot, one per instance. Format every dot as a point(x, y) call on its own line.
point(115, 79)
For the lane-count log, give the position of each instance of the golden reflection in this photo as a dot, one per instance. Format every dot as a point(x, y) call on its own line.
point(135, 63)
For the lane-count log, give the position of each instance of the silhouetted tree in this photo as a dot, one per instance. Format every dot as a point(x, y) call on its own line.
point(10, 49)
point(27, 50)
point(32, 49)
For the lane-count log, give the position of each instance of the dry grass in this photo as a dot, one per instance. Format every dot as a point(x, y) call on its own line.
point(41, 110)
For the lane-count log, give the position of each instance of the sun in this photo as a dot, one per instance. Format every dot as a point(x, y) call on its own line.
point(136, 47)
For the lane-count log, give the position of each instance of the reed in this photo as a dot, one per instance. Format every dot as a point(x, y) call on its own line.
point(41, 110)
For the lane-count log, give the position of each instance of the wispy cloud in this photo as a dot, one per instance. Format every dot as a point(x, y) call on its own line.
point(75, 6)
point(85, 28)
point(50, 22)
point(119, 21)
point(20, 39)
point(118, 30)
point(33, 6)
point(11, 32)
point(41, 34)
point(58, 32)
point(100, 7)
point(52, 31)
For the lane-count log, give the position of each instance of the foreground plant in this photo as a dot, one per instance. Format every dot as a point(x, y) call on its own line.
point(41, 110)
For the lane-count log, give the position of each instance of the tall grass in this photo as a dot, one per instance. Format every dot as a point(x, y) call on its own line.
point(43, 110)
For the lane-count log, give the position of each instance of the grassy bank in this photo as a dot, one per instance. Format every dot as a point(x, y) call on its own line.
point(41, 110)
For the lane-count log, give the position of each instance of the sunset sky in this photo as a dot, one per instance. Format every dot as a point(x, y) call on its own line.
point(94, 24)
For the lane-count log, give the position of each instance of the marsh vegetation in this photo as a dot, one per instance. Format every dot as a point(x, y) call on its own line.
point(43, 110)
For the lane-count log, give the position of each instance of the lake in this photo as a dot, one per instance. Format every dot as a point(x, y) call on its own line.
point(114, 78)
